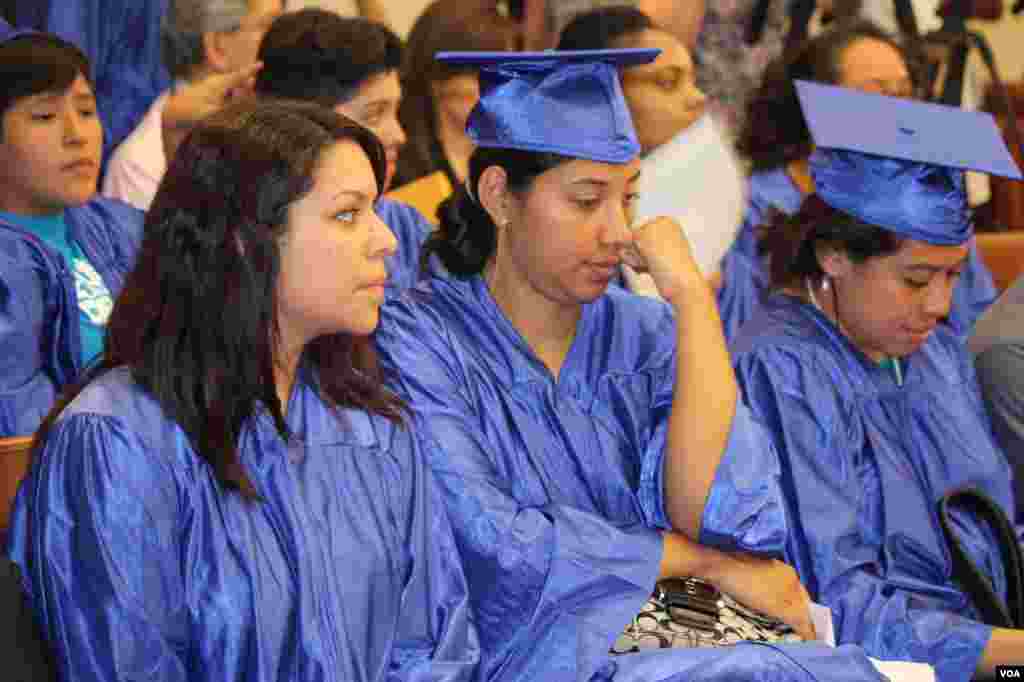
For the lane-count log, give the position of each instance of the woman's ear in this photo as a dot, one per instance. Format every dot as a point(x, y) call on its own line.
point(215, 50)
point(835, 263)
point(493, 194)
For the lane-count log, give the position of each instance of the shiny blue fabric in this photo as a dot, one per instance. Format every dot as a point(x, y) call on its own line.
point(568, 102)
point(865, 462)
point(40, 344)
point(411, 229)
point(121, 38)
point(920, 201)
point(745, 279)
point(141, 566)
point(746, 282)
point(554, 486)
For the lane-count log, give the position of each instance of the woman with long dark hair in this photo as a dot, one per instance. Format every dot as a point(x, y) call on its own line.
point(233, 496)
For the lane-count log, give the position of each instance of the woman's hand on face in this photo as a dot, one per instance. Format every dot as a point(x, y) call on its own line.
point(765, 585)
point(660, 248)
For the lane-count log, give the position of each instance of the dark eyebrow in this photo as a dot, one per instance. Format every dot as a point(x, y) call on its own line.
point(597, 182)
point(932, 269)
point(355, 194)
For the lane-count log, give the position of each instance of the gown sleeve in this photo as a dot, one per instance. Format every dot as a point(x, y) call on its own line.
point(547, 581)
point(436, 640)
point(744, 509)
point(100, 555)
point(833, 543)
point(29, 341)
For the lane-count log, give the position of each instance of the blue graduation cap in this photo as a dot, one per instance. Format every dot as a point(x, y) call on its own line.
point(898, 163)
point(565, 102)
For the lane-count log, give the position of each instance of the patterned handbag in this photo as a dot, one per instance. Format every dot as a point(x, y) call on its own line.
point(689, 612)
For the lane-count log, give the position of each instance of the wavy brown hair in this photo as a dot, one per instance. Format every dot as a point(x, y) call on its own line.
point(774, 132)
point(452, 25)
point(791, 241)
point(196, 322)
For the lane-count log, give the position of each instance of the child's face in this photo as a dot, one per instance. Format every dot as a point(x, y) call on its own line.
point(51, 147)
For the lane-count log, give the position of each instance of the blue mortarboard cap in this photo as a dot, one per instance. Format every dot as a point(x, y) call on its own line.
point(566, 102)
point(898, 163)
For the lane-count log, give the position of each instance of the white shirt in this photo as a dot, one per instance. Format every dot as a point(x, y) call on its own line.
point(139, 163)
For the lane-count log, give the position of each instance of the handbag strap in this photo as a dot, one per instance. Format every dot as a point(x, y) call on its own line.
point(993, 610)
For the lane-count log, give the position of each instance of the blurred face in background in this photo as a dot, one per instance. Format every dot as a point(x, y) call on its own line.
point(682, 18)
point(454, 98)
point(663, 96)
point(872, 65)
point(375, 106)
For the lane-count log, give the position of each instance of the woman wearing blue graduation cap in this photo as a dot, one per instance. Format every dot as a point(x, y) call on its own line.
point(232, 496)
point(588, 441)
point(873, 404)
point(775, 138)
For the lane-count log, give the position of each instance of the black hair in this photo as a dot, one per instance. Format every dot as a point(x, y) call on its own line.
point(774, 131)
point(35, 63)
point(196, 321)
point(791, 241)
point(466, 235)
point(600, 29)
point(320, 56)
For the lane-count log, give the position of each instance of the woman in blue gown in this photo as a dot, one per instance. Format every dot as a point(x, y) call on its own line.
point(872, 403)
point(776, 140)
point(64, 252)
point(232, 496)
point(588, 441)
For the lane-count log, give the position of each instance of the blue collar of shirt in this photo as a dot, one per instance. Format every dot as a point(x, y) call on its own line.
point(50, 228)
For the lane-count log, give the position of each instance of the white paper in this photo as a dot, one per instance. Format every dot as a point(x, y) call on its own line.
point(896, 671)
point(821, 617)
point(696, 179)
point(905, 671)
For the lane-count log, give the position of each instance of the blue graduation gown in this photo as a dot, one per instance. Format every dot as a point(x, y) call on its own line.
point(121, 38)
point(554, 486)
point(141, 566)
point(745, 279)
point(40, 349)
point(865, 462)
point(411, 229)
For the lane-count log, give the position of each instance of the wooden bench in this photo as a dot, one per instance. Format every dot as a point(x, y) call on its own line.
point(14, 459)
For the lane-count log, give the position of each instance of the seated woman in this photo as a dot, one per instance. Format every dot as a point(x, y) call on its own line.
point(348, 64)
point(255, 508)
point(873, 403)
point(775, 138)
point(437, 99)
point(580, 455)
point(689, 168)
point(64, 252)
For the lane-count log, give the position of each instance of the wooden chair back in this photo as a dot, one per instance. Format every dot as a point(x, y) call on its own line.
point(14, 459)
point(1003, 253)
